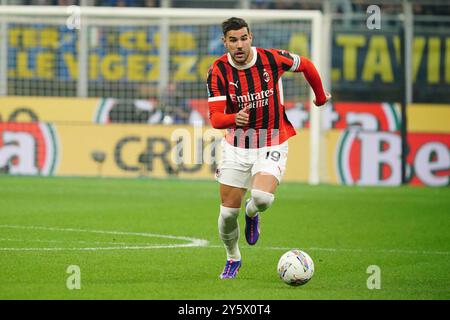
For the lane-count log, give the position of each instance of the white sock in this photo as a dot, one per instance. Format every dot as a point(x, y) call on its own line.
point(259, 202)
point(251, 210)
point(229, 231)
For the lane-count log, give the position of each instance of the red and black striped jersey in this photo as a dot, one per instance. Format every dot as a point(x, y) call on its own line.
point(257, 86)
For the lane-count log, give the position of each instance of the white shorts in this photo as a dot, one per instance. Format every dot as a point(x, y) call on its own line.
point(238, 165)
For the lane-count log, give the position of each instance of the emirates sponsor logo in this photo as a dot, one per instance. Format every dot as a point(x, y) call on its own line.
point(253, 100)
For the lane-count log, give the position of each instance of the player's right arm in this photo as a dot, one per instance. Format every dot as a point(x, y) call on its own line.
point(217, 103)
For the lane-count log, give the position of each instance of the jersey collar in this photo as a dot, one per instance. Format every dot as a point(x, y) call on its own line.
point(248, 65)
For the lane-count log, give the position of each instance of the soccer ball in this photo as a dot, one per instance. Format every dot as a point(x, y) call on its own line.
point(295, 267)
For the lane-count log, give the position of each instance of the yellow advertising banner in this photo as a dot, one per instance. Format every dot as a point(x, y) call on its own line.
point(428, 118)
point(329, 173)
point(352, 156)
point(48, 109)
point(155, 151)
point(73, 137)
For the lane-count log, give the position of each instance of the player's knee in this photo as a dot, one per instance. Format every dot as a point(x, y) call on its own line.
point(262, 200)
point(227, 213)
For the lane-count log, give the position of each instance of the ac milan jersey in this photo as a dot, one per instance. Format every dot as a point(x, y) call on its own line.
point(257, 86)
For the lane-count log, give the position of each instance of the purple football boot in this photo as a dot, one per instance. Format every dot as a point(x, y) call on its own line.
point(231, 269)
point(251, 227)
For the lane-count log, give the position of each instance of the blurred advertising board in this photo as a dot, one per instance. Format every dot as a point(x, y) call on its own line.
point(361, 146)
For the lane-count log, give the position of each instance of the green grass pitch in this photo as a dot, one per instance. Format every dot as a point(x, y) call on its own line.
point(157, 239)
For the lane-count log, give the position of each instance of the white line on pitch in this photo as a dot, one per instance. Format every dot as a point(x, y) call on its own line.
point(81, 242)
point(193, 242)
point(103, 248)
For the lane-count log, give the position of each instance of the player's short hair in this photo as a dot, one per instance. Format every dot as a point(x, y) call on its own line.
point(234, 23)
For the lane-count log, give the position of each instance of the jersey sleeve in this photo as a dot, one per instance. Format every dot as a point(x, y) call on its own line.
point(286, 60)
point(217, 101)
point(215, 86)
point(292, 62)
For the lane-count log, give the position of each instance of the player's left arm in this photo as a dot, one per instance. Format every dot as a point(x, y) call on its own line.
point(295, 63)
point(314, 80)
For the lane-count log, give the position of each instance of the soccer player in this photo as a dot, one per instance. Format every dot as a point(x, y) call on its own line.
point(245, 96)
